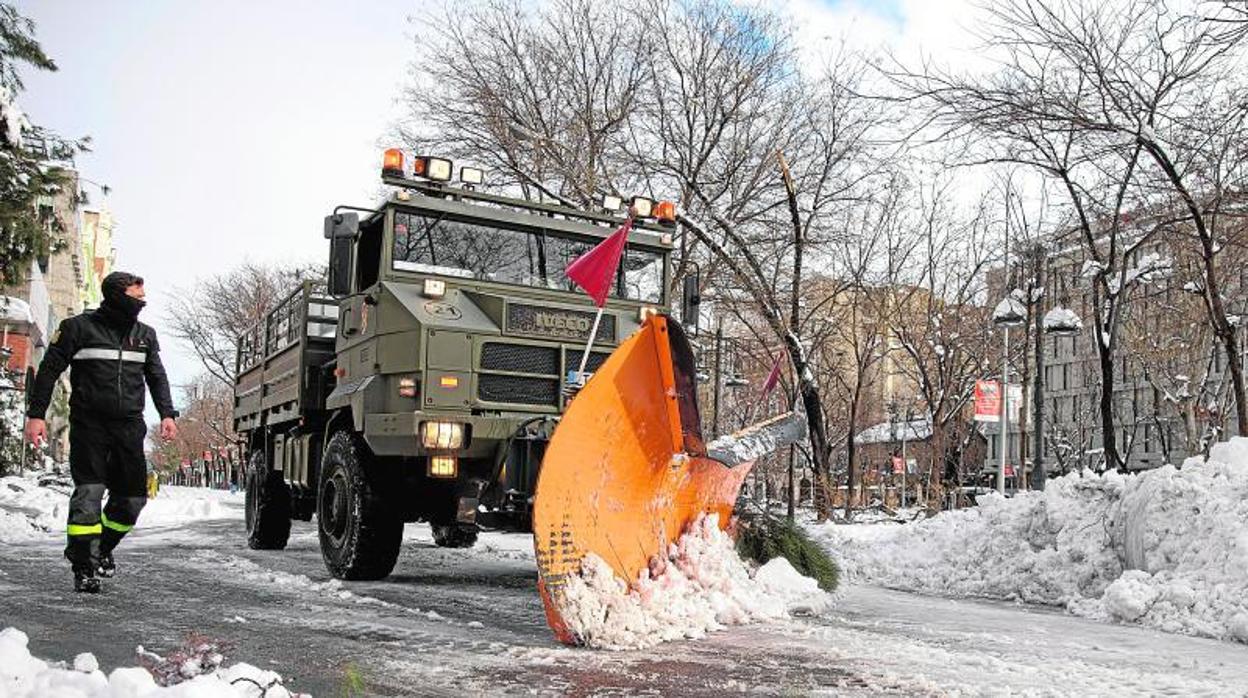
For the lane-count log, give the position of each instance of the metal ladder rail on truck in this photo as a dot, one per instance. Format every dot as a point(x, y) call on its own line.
point(424, 383)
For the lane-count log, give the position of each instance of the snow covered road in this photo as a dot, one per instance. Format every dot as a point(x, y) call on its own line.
point(450, 621)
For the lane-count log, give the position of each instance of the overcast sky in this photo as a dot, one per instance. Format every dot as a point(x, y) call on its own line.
point(227, 130)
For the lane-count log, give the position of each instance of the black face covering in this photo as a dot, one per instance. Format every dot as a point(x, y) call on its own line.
point(117, 307)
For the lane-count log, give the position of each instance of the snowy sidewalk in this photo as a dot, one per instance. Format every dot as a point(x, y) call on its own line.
point(1166, 548)
point(971, 647)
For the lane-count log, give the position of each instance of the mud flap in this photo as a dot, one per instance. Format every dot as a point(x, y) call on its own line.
point(627, 468)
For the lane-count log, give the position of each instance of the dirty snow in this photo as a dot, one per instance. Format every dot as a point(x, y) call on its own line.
point(701, 586)
point(1166, 548)
point(23, 675)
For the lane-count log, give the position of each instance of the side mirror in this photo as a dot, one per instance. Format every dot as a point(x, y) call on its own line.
point(340, 230)
point(690, 302)
point(342, 225)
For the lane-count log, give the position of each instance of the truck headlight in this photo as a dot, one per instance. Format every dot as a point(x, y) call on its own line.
point(442, 435)
point(408, 387)
point(443, 466)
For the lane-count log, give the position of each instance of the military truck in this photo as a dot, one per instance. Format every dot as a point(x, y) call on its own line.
point(423, 380)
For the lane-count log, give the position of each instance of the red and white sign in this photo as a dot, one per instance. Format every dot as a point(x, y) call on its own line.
point(987, 401)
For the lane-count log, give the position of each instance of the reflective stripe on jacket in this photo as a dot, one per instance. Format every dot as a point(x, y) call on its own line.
point(108, 368)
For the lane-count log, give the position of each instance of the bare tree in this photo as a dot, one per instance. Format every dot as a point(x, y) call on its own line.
point(541, 95)
point(692, 102)
point(1165, 82)
point(1051, 106)
point(210, 316)
point(940, 322)
point(206, 422)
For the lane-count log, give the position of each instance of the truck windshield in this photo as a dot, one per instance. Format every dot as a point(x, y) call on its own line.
point(451, 247)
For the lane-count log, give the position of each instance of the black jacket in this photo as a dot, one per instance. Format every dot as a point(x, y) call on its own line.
point(110, 360)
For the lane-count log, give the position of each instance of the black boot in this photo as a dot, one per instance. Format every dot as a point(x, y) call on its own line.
point(107, 568)
point(85, 582)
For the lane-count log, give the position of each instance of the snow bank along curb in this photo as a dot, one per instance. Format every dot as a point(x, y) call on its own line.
point(29, 510)
point(1167, 548)
point(702, 585)
point(23, 675)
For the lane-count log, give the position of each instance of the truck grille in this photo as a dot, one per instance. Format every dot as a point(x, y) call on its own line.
point(596, 358)
point(521, 390)
point(520, 358)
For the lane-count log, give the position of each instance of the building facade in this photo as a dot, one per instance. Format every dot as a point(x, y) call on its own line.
point(1170, 396)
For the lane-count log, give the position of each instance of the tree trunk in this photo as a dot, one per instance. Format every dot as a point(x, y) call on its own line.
point(1230, 344)
point(939, 455)
point(849, 452)
point(1213, 288)
point(809, 392)
point(1109, 440)
point(1038, 475)
point(809, 389)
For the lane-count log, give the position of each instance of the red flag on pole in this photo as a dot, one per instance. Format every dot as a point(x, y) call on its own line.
point(773, 377)
point(594, 271)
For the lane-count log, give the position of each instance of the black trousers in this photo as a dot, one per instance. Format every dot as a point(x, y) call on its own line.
point(104, 454)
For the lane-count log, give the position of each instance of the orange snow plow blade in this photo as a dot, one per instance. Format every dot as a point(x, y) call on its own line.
point(626, 470)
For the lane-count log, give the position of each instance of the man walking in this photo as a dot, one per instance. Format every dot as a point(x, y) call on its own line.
point(111, 354)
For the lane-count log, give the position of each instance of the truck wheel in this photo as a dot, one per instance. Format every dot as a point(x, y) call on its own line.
point(454, 536)
point(266, 505)
point(360, 535)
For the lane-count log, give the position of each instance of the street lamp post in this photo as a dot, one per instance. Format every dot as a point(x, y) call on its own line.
point(1008, 313)
point(892, 439)
point(1005, 410)
point(905, 462)
point(1058, 322)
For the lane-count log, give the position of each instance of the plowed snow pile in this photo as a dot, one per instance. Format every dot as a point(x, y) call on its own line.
point(30, 510)
point(23, 675)
point(1167, 548)
point(702, 586)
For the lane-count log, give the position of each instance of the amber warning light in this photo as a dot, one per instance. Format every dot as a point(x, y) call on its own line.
point(392, 163)
point(665, 212)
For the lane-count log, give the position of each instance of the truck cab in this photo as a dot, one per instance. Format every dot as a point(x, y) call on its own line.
point(422, 381)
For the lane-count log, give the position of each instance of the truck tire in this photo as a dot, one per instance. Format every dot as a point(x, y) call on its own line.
point(360, 535)
point(266, 505)
point(454, 535)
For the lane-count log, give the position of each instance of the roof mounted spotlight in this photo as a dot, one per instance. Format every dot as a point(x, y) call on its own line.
point(611, 203)
point(471, 175)
point(641, 206)
point(429, 167)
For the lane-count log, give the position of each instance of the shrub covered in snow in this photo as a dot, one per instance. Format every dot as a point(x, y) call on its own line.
point(701, 586)
point(12, 420)
point(763, 538)
point(1166, 548)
